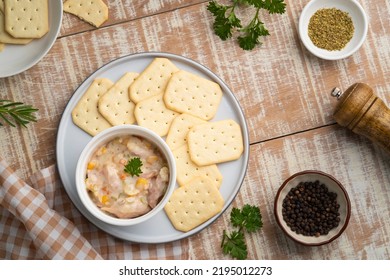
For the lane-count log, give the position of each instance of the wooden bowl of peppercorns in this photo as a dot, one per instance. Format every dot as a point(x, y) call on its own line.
point(312, 208)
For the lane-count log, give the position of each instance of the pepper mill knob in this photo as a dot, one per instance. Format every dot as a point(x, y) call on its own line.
point(361, 111)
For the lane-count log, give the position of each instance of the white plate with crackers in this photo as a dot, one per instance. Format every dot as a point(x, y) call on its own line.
point(219, 119)
point(34, 32)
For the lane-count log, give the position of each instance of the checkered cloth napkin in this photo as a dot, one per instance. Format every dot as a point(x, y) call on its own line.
point(38, 221)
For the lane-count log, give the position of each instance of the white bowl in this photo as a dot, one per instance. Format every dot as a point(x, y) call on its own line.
point(334, 186)
point(105, 136)
point(359, 19)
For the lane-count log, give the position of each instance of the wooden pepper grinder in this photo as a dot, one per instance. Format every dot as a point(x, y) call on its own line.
point(360, 110)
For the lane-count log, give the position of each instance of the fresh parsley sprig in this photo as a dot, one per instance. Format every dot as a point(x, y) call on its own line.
point(133, 167)
point(226, 21)
point(248, 218)
point(14, 113)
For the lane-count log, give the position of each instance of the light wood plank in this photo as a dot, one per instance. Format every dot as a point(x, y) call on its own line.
point(122, 11)
point(281, 88)
point(360, 166)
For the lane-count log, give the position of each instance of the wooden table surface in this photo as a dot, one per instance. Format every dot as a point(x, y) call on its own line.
point(283, 90)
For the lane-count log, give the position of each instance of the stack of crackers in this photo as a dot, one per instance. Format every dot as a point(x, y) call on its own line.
point(22, 21)
point(178, 105)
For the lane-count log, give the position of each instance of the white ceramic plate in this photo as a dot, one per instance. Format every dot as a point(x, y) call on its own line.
point(15, 59)
point(71, 140)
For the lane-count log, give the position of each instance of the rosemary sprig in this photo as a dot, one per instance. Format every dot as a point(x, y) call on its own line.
point(16, 113)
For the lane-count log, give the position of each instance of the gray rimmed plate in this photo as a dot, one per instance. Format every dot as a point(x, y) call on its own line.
point(15, 59)
point(71, 140)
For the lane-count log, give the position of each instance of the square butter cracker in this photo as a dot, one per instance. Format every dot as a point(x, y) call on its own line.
point(26, 18)
point(187, 170)
point(177, 134)
point(193, 204)
point(192, 94)
point(215, 142)
point(8, 39)
point(86, 114)
point(152, 113)
point(152, 80)
point(94, 12)
point(115, 105)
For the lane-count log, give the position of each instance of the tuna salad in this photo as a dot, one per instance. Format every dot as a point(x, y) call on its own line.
point(121, 193)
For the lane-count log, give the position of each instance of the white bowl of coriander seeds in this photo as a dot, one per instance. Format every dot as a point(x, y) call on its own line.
point(333, 29)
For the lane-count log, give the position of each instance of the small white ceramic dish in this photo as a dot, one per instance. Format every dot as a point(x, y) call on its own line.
point(15, 59)
point(97, 142)
point(333, 185)
point(359, 19)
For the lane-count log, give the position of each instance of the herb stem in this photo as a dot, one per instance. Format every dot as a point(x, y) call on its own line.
point(14, 113)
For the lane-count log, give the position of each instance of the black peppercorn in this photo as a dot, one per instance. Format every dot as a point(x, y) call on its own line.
point(311, 209)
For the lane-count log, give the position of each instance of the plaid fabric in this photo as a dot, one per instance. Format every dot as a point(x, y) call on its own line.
point(38, 222)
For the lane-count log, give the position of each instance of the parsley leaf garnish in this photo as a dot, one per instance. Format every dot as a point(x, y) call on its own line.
point(248, 218)
point(133, 166)
point(226, 21)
